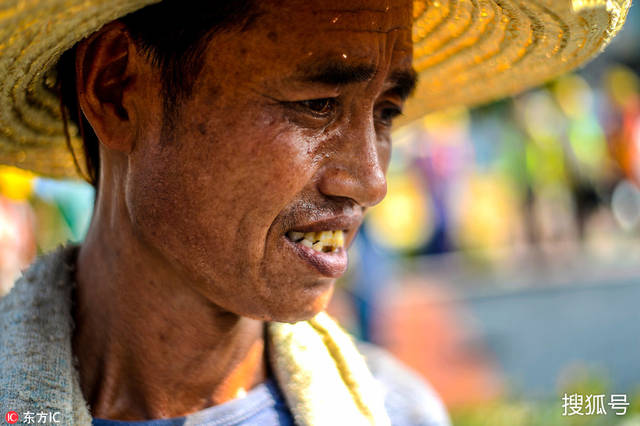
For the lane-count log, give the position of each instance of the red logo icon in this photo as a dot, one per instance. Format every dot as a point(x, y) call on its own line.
point(11, 417)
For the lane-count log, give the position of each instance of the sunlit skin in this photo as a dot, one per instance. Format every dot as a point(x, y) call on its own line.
point(186, 256)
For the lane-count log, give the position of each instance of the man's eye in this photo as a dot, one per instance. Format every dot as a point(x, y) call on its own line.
point(387, 115)
point(320, 107)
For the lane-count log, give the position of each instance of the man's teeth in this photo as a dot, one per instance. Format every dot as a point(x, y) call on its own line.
point(324, 241)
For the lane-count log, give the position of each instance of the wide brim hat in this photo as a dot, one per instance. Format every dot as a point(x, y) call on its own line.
point(467, 52)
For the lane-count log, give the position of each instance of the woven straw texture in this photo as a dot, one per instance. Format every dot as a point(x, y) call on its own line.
point(472, 51)
point(466, 51)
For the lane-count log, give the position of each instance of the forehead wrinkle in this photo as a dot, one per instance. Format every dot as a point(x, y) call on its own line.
point(374, 37)
point(352, 11)
point(384, 19)
point(351, 30)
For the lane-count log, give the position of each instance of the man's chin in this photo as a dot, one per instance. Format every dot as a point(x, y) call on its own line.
point(286, 311)
point(292, 319)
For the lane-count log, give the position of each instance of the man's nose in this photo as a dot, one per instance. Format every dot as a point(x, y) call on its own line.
point(356, 170)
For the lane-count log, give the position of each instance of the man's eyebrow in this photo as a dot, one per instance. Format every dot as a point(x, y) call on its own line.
point(337, 73)
point(404, 83)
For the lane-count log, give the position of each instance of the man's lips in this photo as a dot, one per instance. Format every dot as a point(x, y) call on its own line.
point(332, 265)
point(320, 244)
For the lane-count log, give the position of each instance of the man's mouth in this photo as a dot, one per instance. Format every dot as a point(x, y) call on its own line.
point(322, 244)
point(323, 241)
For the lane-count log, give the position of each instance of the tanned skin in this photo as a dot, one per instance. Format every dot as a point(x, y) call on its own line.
point(186, 257)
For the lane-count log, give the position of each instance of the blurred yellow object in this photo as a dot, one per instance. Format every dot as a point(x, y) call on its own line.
point(15, 183)
point(402, 221)
point(545, 164)
point(622, 85)
point(487, 212)
point(574, 95)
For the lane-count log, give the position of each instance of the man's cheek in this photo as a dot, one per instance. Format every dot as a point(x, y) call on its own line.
point(286, 161)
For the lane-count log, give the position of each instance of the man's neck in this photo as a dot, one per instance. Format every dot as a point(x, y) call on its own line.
point(148, 345)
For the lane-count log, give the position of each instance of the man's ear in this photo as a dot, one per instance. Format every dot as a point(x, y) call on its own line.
point(104, 78)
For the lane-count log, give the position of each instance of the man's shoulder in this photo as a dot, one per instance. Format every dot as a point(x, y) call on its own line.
point(47, 276)
point(36, 304)
point(35, 350)
point(409, 399)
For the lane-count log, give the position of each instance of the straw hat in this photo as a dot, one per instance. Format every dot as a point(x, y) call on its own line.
point(467, 52)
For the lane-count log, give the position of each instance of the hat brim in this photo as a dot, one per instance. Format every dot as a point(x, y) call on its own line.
point(466, 52)
point(470, 52)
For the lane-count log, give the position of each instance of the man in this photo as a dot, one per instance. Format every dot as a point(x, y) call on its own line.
point(235, 147)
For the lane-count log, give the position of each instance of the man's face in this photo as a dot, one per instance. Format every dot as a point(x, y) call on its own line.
point(287, 131)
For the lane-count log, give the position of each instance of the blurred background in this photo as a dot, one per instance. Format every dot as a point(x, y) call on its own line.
point(503, 264)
